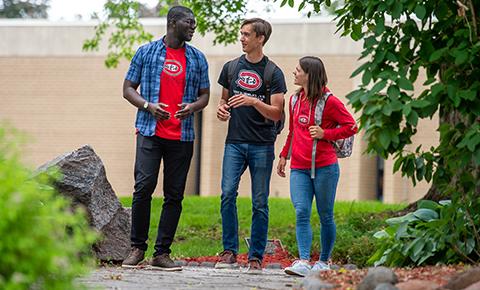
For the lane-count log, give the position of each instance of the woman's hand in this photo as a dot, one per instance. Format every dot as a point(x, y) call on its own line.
point(281, 167)
point(316, 132)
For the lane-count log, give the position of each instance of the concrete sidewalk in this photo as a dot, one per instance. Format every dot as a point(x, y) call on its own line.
point(190, 278)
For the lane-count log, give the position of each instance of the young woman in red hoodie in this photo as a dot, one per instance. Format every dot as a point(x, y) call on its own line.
point(321, 181)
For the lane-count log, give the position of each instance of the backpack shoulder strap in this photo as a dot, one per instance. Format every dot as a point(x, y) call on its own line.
point(267, 78)
point(293, 101)
point(320, 108)
point(232, 66)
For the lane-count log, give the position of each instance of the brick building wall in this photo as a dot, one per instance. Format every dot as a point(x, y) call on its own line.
point(63, 98)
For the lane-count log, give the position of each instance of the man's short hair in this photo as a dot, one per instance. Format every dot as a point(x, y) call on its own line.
point(260, 26)
point(178, 12)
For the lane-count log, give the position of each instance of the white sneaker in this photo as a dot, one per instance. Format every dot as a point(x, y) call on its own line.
point(320, 266)
point(299, 268)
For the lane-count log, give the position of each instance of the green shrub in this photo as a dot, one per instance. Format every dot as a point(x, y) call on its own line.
point(443, 232)
point(44, 244)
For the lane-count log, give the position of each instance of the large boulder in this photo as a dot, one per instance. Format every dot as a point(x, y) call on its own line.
point(85, 182)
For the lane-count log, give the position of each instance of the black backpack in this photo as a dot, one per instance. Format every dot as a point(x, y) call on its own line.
point(267, 79)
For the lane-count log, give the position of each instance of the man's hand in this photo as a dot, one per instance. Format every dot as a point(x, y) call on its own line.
point(281, 167)
point(185, 111)
point(316, 132)
point(158, 112)
point(222, 112)
point(242, 100)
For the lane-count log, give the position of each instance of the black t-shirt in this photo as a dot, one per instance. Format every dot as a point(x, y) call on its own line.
point(246, 124)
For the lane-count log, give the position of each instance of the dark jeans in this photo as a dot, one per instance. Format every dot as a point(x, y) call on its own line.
point(176, 156)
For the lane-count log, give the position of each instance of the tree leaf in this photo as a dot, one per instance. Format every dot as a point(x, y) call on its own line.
point(393, 92)
point(420, 103)
point(397, 10)
point(437, 54)
point(429, 204)
point(470, 95)
point(360, 69)
point(366, 77)
point(387, 109)
point(420, 11)
point(413, 118)
point(461, 57)
point(405, 84)
point(384, 139)
point(378, 87)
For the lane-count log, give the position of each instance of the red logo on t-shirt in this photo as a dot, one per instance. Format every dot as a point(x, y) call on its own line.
point(249, 80)
point(172, 67)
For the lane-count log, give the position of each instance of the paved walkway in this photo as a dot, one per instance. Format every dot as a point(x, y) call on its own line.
point(190, 278)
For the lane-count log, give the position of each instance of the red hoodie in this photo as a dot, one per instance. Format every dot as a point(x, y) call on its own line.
point(302, 117)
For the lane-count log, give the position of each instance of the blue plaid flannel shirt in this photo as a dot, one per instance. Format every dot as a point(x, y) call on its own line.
point(145, 69)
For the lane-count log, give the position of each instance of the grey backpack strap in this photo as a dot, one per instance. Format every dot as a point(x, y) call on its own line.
point(319, 108)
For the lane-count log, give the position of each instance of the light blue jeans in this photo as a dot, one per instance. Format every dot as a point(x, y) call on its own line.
point(259, 160)
point(302, 191)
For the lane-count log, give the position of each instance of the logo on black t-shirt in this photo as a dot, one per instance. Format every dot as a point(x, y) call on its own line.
point(249, 80)
point(172, 67)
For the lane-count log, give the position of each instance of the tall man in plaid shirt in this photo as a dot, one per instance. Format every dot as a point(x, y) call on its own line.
point(174, 84)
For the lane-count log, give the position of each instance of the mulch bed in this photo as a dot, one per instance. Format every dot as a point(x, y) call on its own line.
point(440, 275)
point(349, 279)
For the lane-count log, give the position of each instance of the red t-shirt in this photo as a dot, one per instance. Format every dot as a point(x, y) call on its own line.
point(172, 86)
point(302, 118)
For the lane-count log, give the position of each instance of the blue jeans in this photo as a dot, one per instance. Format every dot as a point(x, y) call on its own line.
point(259, 160)
point(302, 191)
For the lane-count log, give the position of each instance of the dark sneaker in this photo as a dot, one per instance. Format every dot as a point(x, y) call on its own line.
point(254, 266)
point(134, 258)
point(228, 260)
point(164, 263)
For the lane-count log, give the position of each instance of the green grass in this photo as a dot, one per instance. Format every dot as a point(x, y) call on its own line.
point(199, 232)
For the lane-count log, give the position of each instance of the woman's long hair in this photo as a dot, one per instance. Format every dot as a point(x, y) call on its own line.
point(317, 76)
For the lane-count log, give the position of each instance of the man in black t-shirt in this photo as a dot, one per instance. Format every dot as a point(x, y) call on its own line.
point(250, 139)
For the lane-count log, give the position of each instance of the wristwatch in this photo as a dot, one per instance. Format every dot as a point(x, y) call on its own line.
point(145, 105)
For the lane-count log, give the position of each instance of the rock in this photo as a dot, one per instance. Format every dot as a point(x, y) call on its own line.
point(335, 267)
point(274, 266)
point(180, 263)
point(115, 242)
point(85, 182)
point(417, 285)
point(350, 267)
point(385, 286)
point(463, 280)
point(207, 264)
point(312, 282)
point(377, 276)
point(475, 286)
